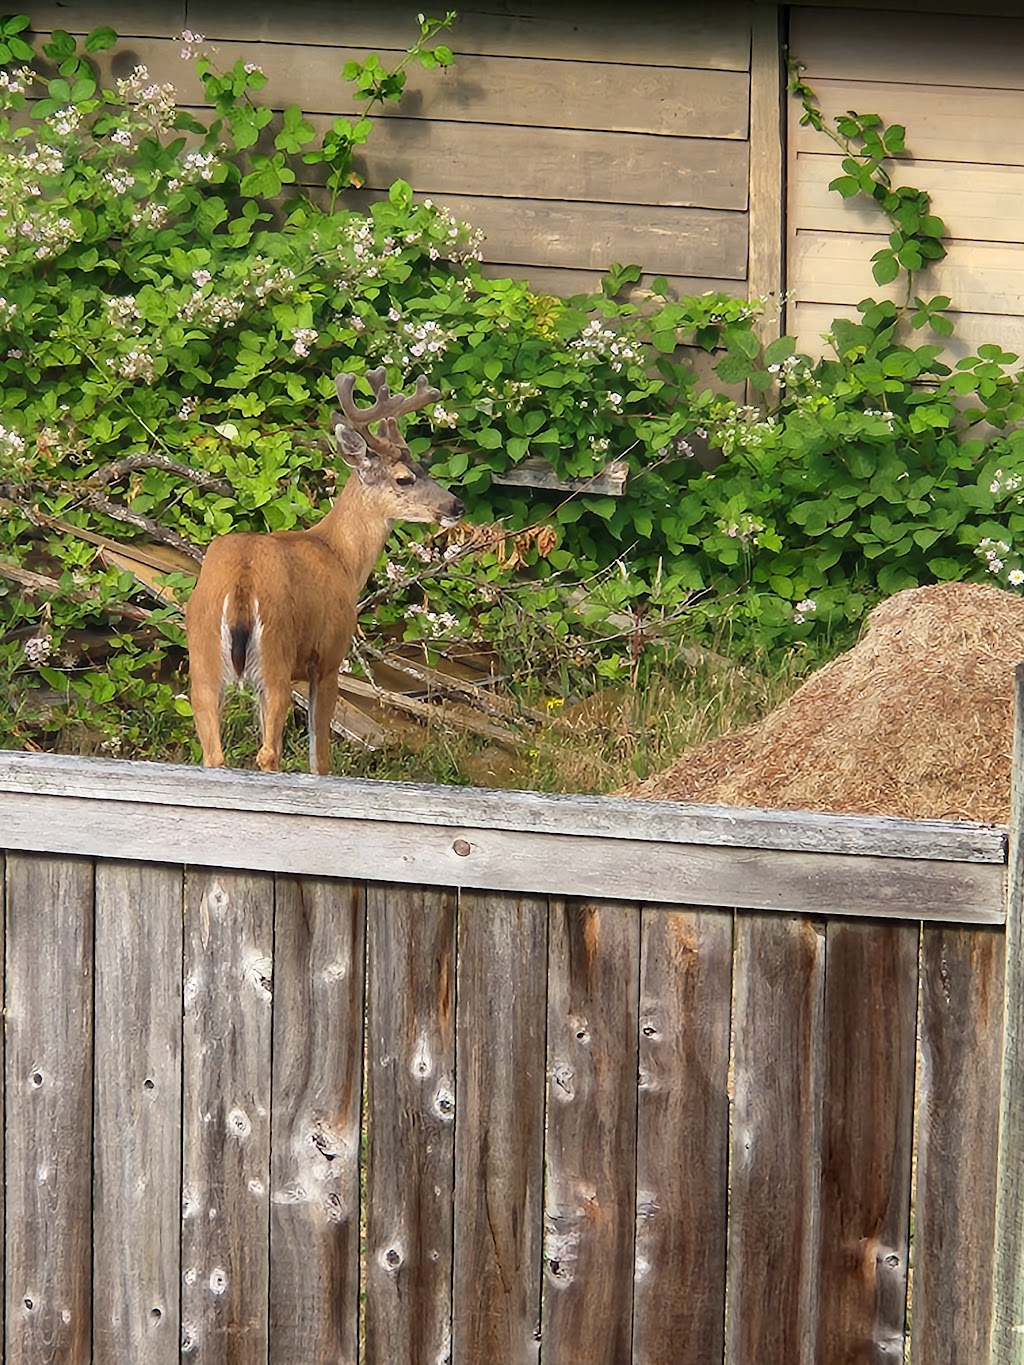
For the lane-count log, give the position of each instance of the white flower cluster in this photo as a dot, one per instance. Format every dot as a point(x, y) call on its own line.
point(118, 181)
point(302, 339)
point(462, 243)
point(151, 216)
point(803, 609)
point(889, 418)
point(64, 122)
point(38, 648)
point(186, 409)
point(994, 553)
point(742, 428)
point(1005, 483)
point(212, 310)
point(266, 278)
point(441, 417)
point(7, 310)
point(190, 42)
point(11, 443)
point(744, 528)
point(788, 367)
point(154, 103)
point(123, 313)
point(136, 364)
point(441, 622)
point(16, 82)
point(601, 343)
point(599, 444)
point(50, 231)
point(195, 166)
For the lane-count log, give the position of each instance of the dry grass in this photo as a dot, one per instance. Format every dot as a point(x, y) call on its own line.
point(916, 720)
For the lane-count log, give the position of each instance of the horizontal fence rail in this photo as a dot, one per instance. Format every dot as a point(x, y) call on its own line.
point(304, 1070)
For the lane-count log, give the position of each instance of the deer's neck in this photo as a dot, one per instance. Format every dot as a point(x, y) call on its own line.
point(355, 530)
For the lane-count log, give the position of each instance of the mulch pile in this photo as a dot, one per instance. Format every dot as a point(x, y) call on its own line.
point(916, 720)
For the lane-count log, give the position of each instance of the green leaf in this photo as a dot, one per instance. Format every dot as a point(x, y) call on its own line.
point(100, 39)
point(885, 268)
point(779, 350)
point(61, 45)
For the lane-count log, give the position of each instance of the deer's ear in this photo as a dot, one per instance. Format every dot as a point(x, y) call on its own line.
point(351, 445)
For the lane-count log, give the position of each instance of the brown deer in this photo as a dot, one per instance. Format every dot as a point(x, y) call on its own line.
point(273, 609)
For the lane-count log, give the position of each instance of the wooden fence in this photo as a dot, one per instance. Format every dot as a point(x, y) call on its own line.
point(307, 1070)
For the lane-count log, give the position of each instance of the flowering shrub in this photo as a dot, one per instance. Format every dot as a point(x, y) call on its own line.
point(173, 310)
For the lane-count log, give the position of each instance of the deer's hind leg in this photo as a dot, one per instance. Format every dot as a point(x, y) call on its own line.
point(206, 667)
point(323, 697)
point(275, 693)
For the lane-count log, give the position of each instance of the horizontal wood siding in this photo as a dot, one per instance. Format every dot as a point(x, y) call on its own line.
point(595, 1130)
point(956, 84)
point(570, 139)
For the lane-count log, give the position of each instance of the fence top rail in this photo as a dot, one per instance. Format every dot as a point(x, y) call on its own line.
point(607, 817)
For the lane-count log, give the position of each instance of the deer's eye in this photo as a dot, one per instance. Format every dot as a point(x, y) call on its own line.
point(406, 479)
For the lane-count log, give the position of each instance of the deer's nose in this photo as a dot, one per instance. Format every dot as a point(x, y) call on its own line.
point(458, 509)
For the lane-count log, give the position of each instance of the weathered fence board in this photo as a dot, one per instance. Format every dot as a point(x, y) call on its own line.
point(319, 976)
point(870, 1016)
point(499, 1138)
point(682, 1136)
point(683, 1128)
point(958, 1125)
point(137, 1161)
point(779, 969)
point(410, 1121)
point(226, 1137)
point(590, 1195)
point(49, 1110)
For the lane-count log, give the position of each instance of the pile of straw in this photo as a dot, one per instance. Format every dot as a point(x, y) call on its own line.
point(916, 720)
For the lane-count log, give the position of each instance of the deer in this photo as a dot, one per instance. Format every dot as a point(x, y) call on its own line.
point(274, 608)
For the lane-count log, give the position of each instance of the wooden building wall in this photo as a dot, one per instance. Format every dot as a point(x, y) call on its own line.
point(957, 84)
point(570, 137)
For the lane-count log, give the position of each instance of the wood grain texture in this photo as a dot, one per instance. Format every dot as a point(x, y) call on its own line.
point(503, 860)
point(48, 1062)
point(778, 1063)
point(682, 1155)
point(687, 35)
point(1008, 1311)
point(539, 92)
point(97, 780)
point(137, 1163)
point(767, 170)
point(698, 248)
point(499, 1136)
point(957, 1142)
point(870, 1026)
point(410, 1124)
point(590, 1193)
point(319, 975)
point(226, 1117)
point(955, 51)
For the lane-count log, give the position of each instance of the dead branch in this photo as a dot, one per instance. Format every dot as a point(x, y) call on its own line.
point(164, 534)
point(115, 471)
point(36, 584)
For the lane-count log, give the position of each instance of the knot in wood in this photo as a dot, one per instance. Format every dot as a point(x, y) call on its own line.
point(462, 847)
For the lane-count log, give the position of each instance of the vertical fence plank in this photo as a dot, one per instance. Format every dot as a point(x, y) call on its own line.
point(499, 1138)
point(870, 1038)
point(1008, 1312)
point(682, 1137)
point(410, 1118)
point(137, 1169)
point(226, 1118)
point(590, 1201)
point(319, 968)
point(779, 972)
point(958, 1129)
point(49, 1108)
